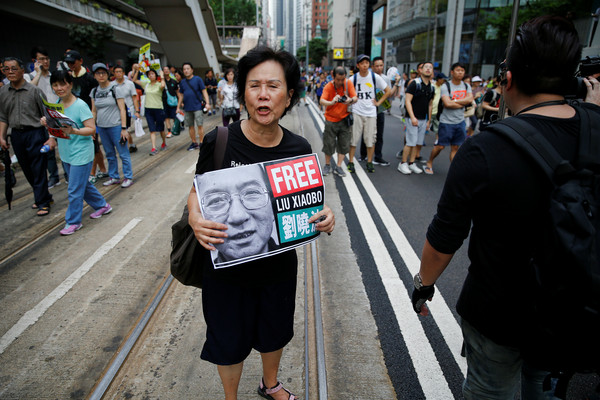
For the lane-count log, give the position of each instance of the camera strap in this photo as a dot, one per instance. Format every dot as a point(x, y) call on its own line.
point(543, 104)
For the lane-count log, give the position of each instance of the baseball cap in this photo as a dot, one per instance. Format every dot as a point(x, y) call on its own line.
point(72, 56)
point(98, 66)
point(440, 75)
point(362, 57)
point(476, 78)
point(413, 71)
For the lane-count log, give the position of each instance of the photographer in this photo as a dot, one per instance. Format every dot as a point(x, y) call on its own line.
point(337, 96)
point(494, 186)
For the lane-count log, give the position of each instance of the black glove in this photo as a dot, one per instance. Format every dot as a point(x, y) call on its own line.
point(420, 296)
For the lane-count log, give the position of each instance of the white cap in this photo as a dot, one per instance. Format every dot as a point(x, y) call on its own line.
point(476, 78)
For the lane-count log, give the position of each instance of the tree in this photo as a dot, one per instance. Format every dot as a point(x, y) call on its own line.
point(237, 12)
point(497, 23)
point(90, 38)
point(317, 49)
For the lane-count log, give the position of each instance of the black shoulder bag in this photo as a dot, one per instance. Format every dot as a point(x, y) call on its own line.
point(187, 253)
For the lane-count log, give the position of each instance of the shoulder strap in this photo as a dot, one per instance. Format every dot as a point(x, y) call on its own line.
point(193, 90)
point(589, 140)
point(354, 78)
point(114, 95)
point(533, 143)
point(374, 82)
point(220, 146)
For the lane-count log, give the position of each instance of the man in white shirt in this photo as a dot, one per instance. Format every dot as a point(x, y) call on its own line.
point(40, 77)
point(365, 110)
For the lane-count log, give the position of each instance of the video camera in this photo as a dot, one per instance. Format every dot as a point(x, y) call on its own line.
point(587, 67)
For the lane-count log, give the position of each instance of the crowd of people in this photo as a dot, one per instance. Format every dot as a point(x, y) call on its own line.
point(452, 108)
point(172, 99)
point(492, 187)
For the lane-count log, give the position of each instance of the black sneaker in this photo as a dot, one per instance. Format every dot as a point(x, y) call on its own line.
point(370, 167)
point(52, 183)
point(351, 167)
point(381, 161)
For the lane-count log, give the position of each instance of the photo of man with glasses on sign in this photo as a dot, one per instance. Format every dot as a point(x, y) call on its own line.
point(242, 202)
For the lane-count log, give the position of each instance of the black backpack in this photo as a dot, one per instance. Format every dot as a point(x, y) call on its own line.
point(564, 336)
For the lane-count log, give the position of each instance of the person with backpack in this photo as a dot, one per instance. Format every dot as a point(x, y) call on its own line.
point(490, 104)
point(170, 100)
point(529, 305)
point(419, 99)
point(455, 96)
point(364, 111)
point(108, 107)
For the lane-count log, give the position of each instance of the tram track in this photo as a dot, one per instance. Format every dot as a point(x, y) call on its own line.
point(313, 332)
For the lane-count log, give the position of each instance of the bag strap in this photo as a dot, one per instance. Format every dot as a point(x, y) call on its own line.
point(532, 142)
point(194, 91)
point(589, 141)
point(220, 146)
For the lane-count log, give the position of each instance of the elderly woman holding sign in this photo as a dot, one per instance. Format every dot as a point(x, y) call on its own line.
point(251, 305)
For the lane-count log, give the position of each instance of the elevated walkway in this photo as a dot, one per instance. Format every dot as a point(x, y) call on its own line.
point(187, 32)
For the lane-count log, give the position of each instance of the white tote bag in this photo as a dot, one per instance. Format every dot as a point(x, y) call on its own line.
point(139, 129)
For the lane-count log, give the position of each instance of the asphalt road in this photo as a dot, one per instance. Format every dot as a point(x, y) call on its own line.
point(397, 205)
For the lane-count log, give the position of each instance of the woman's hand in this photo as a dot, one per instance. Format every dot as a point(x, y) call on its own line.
point(44, 122)
point(328, 223)
point(207, 232)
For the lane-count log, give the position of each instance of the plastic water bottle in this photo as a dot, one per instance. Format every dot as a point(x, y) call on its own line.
point(45, 148)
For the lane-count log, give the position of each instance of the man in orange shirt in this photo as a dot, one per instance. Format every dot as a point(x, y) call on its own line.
point(337, 96)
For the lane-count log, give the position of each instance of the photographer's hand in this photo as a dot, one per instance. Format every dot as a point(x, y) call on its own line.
point(593, 90)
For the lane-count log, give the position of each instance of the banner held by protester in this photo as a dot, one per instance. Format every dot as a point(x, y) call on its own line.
point(266, 207)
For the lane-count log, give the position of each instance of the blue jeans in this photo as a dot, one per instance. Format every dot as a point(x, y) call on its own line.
point(110, 140)
point(494, 371)
point(81, 189)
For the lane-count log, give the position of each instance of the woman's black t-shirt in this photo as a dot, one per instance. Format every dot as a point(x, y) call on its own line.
point(241, 151)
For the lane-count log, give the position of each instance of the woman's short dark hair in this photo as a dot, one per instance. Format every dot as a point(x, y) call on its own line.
point(261, 54)
point(61, 76)
point(544, 55)
point(153, 71)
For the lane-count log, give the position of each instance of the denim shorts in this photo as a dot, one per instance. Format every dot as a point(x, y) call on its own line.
point(451, 134)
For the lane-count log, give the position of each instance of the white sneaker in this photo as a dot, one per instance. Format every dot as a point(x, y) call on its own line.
point(413, 167)
point(403, 167)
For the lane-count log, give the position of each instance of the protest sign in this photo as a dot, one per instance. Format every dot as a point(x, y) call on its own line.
point(266, 207)
point(144, 58)
point(55, 119)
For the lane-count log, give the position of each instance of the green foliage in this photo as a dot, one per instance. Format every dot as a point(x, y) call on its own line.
point(90, 38)
point(317, 49)
point(498, 21)
point(237, 12)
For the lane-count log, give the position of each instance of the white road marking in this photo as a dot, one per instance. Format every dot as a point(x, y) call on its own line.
point(444, 318)
point(32, 316)
point(427, 368)
point(191, 169)
point(439, 307)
